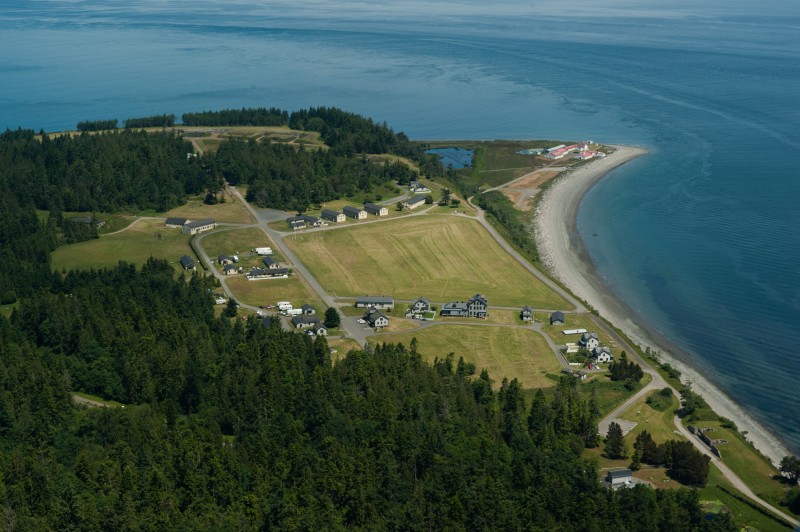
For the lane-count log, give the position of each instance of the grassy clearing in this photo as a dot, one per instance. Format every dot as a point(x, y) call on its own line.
point(270, 291)
point(444, 258)
point(504, 352)
point(658, 424)
point(746, 462)
point(610, 394)
point(744, 514)
point(6, 310)
point(109, 403)
point(232, 211)
point(142, 240)
point(240, 241)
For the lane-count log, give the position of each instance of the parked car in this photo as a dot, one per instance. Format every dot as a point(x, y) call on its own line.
point(361, 321)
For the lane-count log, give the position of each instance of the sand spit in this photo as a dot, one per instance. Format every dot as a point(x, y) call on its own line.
point(565, 256)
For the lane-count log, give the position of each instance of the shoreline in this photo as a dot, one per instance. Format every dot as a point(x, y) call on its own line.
point(564, 255)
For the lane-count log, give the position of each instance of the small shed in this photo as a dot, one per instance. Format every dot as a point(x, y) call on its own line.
point(619, 477)
point(187, 263)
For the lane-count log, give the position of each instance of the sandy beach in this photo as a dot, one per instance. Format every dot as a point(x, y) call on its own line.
point(565, 256)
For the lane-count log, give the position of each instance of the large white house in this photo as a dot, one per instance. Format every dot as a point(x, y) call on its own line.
point(589, 340)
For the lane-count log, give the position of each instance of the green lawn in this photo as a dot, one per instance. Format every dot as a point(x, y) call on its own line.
point(658, 424)
point(445, 258)
point(232, 211)
point(503, 351)
point(746, 462)
point(270, 291)
point(143, 239)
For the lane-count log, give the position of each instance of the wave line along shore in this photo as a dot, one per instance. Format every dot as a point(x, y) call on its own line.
point(563, 253)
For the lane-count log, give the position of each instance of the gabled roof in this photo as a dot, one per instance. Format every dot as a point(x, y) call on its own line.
point(421, 299)
point(373, 207)
point(419, 198)
point(375, 300)
point(223, 257)
point(557, 315)
point(330, 213)
point(373, 314)
point(479, 297)
point(200, 223)
point(304, 319)
point(307, 306)
point(269, 260)
point(352, 210)
point(526, 308)
point(256, 272)
point(176, 221)
point(229, 267)
point(187, 262)
point(620, 473)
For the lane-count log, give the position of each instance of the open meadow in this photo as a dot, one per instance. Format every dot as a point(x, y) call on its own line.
point(444, 258)
point(270, 291)
point(232, 211)
point(504, 351)
point(141, 240)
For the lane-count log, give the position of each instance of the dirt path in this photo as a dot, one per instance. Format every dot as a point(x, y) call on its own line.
point(88, 402)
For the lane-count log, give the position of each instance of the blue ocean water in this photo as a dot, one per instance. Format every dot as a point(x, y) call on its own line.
point(701, 237)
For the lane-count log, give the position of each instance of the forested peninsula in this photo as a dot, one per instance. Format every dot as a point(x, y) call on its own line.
point(229, 424)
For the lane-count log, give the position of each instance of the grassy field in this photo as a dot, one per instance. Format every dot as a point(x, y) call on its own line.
point(445, 258)
point(236, 241)
point(270, 291)
point(232, 211)
point(143, 239)
point(504, 352)
point(750, 466)
point(658, 424)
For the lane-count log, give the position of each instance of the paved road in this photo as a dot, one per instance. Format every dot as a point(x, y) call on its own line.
point(353, 329)
point(730, 475)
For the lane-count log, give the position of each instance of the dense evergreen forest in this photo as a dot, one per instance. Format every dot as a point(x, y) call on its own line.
point(231, 425)
point(260, 116)
point(240, 426)
point(283, 177)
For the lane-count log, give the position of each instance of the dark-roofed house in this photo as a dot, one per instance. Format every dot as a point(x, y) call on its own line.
point(230, 269)
point(262, 273)
point(222, 260)
point(176, 222)
point(376, 210)
point(413, 203)
point(308, 310)
point(187, 263)
point(305, 322)
point(354, 212)
point(619, 477)
point(526, 314)
point(416, 186)
point(420, 305)
point(476, 307)
point(376, 319)
point(270, 263)
point(375, 301)
point(258, 273)
point(332, 216)
point(303, 220)
point(557, 318)
point(192, 228)
point(602, 354)
point(589, 340)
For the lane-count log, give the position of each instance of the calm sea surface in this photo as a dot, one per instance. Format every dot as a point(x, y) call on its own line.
point(702, 237)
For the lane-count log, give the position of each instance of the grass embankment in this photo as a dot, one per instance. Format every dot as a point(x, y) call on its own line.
point(443, 258)
point(504, 352)
point(142, 240)
point(97, 399)
point(231, 211)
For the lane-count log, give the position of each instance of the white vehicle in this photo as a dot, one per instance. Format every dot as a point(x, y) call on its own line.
point(361, 321)
point(294, 311)
point(235, 258)
point(284, 305)
point(263, 251)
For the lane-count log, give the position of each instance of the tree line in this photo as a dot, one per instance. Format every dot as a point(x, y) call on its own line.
point(512, 221)
point(236, 425)
point(260, 116)
point(283, 177)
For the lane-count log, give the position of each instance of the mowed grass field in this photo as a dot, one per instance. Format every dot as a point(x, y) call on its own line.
point(142, 240)
point(232, 211)
point(270, 291)
point(503, 351)
point(444, 258)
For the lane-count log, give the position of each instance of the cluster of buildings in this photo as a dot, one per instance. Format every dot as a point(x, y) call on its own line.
point(475, 307)
point(190, 227)
point(307, 320)
point(328, 215)
point(582, 150)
